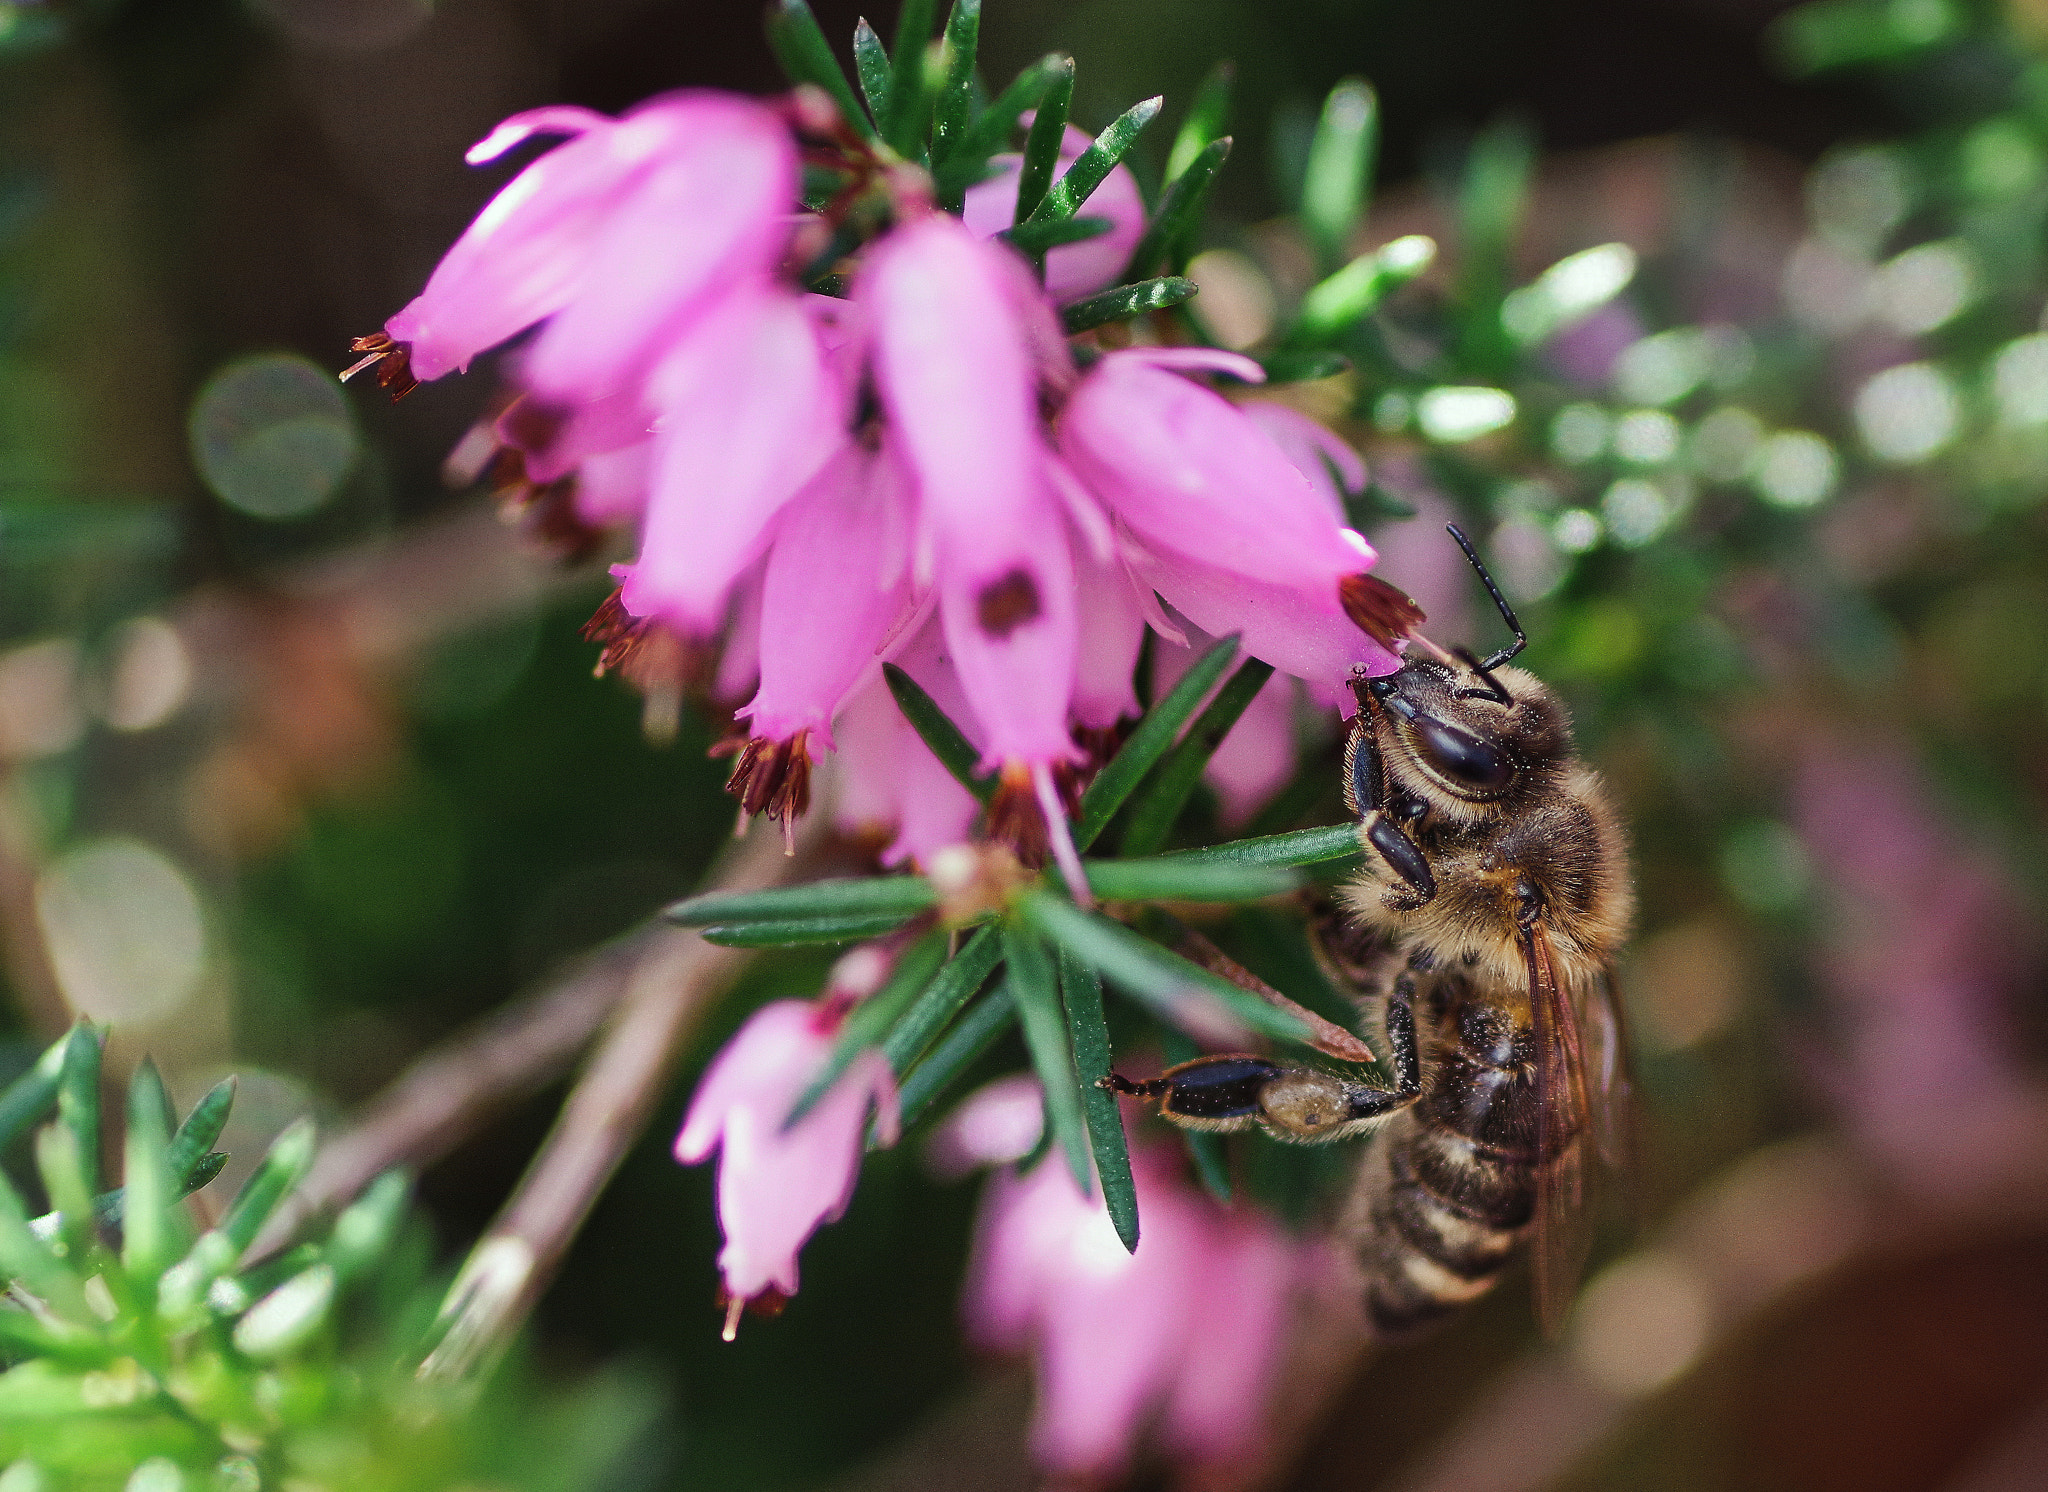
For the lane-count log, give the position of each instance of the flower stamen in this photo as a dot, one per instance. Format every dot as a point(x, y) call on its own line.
point(774, 777)
point(1384, 614)
point(393, 361)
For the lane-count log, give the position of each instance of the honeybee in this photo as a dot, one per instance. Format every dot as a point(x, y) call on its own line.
point(1494, 895)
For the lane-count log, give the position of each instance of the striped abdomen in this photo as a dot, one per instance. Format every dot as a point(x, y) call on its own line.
point(1450, 1188)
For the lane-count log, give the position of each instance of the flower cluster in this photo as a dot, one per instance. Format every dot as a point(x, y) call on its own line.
point(924, 468)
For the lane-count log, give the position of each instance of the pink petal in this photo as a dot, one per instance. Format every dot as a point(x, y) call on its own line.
point(825, 607)
point(1314, 448)
point(1013, 640)
point(1301, 632)
point(549, 119)
point(612, 487)
point(712, 207)
point(1219, 1406)
point(1111, 626)
point(1077, 269)
point(748, 416)
point(890, 781)
point(1187, 470)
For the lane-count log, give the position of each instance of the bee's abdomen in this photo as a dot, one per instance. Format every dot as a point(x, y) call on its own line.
point(1443, 1219)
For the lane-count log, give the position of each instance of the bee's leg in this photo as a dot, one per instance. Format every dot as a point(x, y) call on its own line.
point(1370, 1102)
point(1364, 782)
point(1401, 855)
point(1207, 1093)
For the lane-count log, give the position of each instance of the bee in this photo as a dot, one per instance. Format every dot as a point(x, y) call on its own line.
point(1494, 895)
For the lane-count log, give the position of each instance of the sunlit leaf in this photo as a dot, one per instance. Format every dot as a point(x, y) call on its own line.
point(1125, 301)
point(1093, 165)
point(1171, 231)
point(853, 896)
point(1042, 145)
point(1340, 169)
point(955, 985)
point(806, 57)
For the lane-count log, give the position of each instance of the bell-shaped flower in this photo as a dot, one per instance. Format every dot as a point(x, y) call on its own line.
point(1076, 269)
point(1122, 1339)
point(890, 787)
point(836, 583)
point(748, 414)
point(777, 1185)
point(1190, 473)
point(954, 362)
point(1330, 463)
point(564, 223)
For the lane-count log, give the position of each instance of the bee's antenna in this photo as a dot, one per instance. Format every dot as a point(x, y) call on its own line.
point(1507, 612)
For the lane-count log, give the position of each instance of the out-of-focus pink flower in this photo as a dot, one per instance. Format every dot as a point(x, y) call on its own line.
point(1188, 1327)
point(889, 781)
point(1076, 269)
point(776, 1187)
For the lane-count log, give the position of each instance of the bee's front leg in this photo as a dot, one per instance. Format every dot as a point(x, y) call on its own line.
point(1403, 858)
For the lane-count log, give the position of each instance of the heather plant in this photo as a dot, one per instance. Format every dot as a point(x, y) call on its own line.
point(1022, 576)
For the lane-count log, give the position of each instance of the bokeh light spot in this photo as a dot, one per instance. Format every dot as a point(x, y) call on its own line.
point(1796, 469)
point(151, 675)
point(1460, 413)
point(273, 436)
point(123, 928)
point(1641, 1323)
point(1908, 413)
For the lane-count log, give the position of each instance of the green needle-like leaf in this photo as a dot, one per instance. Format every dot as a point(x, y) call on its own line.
point(1166, 791)
point(63, 1171)
point(152, 1227)
point(1208, 116)
point(1172, 878)
point(1302, 365)
point(874, 1016)
point(1179, 992)
point(909, 93)
point(990, 132)
point(1082, 993)
point(1125, 301)
point(1340, 167)
point(1172, 229)
point(1356, 290)
point(856, 896)
point(943, 999)
point(947, 741)
point(781, 934)
point(956, 94)
point(1042, 145)
point(193, 1142)
point(283, 1165)
point(1093, 165)
point(1148, 742)
point(78, 1098)
point(367, 1225)
point(974, 1033)
point(871, 64)
point(1052, 1052)
point(1033, 239)
point(806, 57)
point(1301, 847)
point(24, 1257)
point(29, 1097)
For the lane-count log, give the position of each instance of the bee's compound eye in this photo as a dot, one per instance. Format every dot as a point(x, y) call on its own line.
point(1460, 755)
point(1306, 1103)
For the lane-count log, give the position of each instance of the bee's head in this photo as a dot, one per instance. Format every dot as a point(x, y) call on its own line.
point(1465, 737)
point(1470, 737)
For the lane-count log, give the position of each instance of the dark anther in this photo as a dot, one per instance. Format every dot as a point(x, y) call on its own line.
point(392, 360)
point(773, 777)
point(1378, 610)
point(532, 425)
point(1007, 604)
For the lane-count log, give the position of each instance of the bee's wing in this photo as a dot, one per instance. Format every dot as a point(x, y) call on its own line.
point(1563, 1220)
point(1612, 1088)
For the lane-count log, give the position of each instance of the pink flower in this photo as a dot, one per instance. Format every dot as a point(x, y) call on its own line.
point(1076, 269)
point(776, 1186)
point(1184, 1331)
point(632, 222)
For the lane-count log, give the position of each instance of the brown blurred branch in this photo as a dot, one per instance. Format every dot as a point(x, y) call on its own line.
point(669, 989)
point(453, 1090)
